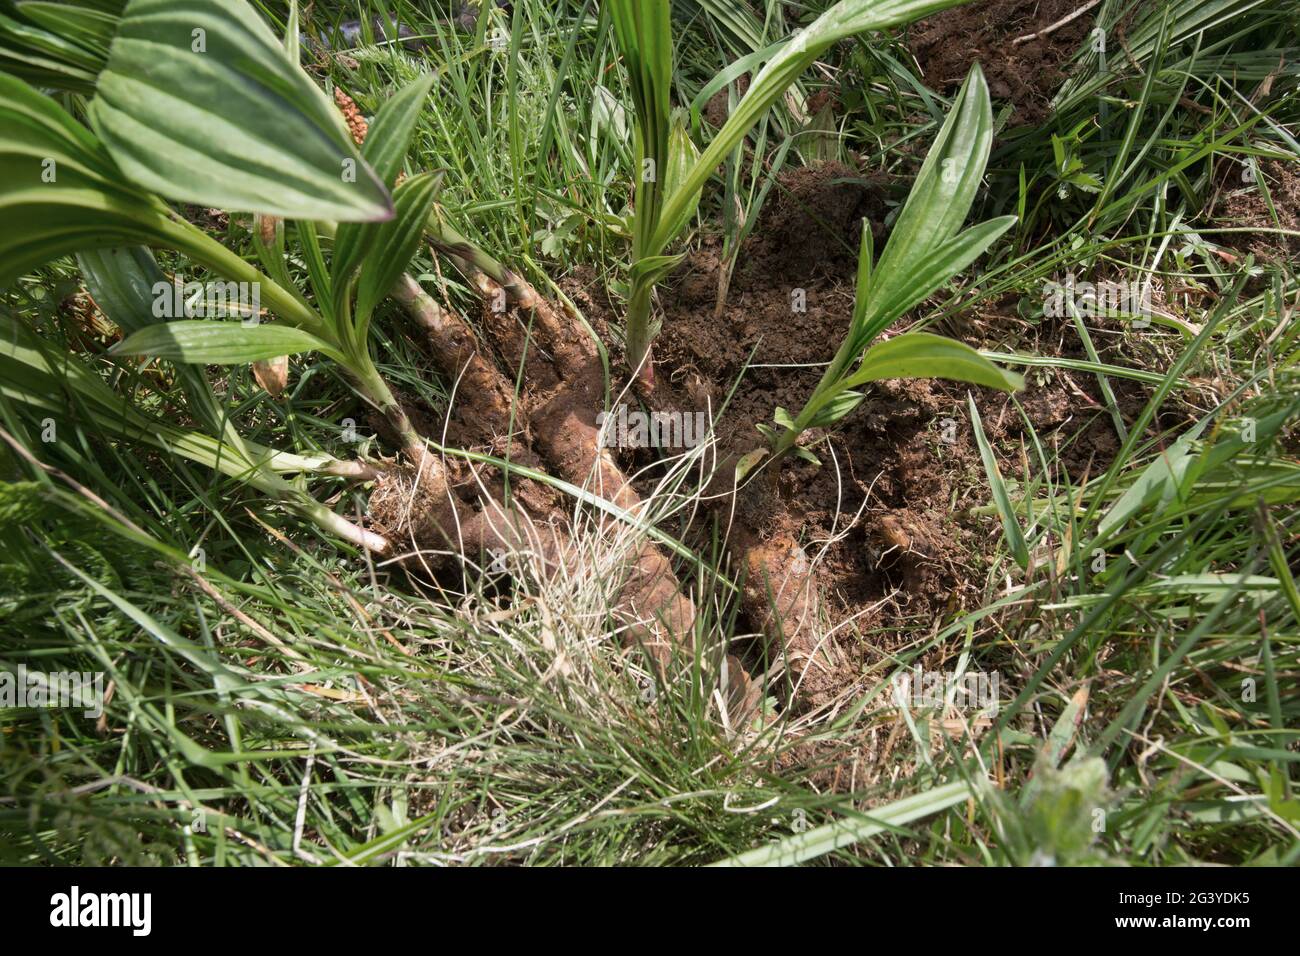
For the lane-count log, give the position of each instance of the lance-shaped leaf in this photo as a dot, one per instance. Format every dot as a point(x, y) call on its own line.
point(395, 244)
point(55, 383)
point(910, 355)
point(124, 283)
point(201, 103)
point(846, 19)
point(924, 250)
point(389, 136)
point(87, 27)
point(219, 343)
point(916, 278)
point(682, 155)
point(31, 41)
point(644, 32)
point(385, 148)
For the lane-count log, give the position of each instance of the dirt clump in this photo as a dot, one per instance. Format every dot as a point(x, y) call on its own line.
point(717, 109)
point(1026, 74)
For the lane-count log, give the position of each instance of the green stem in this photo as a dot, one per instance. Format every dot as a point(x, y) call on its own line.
point(340, 526)
point(372, 385)
point(637, 325)
point(468, 257)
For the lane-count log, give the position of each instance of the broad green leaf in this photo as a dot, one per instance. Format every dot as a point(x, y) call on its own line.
point(838, 407)
point(59, 192)
point(866, 257)
point(395, 244)
point(61, 385)
point(389, 137)
point(922, 355)
point(90, 29)
point(44, 72)
point(653, 268)
point(910, 355)
point(124, 283)
point(682, 155)
point(644, 32)
point(913, 280)
point(1002, 500)
point(37, 45)
point(800, 452)
point(111, 7)
point(747, 64)
point(60, 46)
point(200, 102)
point(1159, 481)
point(291, 34)
point(643, 29)
point(218, 343)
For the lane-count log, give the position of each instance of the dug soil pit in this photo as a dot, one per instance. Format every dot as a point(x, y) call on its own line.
point(905, 459)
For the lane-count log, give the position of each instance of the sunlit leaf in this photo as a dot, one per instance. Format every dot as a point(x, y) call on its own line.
point(200, 102)
point(922, 355)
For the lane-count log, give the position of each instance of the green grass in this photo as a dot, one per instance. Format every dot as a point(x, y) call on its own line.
point(284, 700)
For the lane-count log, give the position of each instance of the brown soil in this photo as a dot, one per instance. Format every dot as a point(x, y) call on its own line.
point(716, 110)
point(1241, 204)
point(1027, 75)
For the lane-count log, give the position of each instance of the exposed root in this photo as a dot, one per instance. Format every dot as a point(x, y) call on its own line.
point(662, 617)
point(782, 599)
point(780, 594)
point(440, 531)
point(659, 615)
point(650, 600)
point(742, 694)
point(483, 394)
